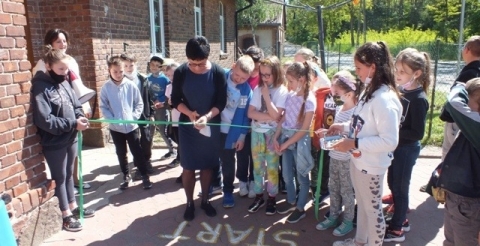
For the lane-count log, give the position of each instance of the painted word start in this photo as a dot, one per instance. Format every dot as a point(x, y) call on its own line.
point(210, 235)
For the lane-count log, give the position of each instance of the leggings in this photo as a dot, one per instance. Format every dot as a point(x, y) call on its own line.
point(60, 161)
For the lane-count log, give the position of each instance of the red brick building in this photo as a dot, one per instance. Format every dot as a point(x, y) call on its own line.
point(97, 29)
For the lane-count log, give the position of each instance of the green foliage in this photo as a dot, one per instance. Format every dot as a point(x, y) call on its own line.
point(398, 40)
point(302, 24)
point(256, 14)
point(439, 18)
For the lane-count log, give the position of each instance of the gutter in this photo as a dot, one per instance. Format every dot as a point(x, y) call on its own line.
point(251, 2)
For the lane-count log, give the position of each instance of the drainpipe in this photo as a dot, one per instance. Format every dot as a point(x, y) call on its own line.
point(251, 2)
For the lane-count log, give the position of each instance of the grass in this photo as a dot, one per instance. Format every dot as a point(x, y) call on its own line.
point(436, 134)
point(437, 126)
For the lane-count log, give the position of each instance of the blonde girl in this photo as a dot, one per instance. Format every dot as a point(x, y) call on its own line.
point(294, 144)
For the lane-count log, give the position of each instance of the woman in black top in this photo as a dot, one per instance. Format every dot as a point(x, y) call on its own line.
point(199, 93)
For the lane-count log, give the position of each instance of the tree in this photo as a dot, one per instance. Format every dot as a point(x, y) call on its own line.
point(260, 12)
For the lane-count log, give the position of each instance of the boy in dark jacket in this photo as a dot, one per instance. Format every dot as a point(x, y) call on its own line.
point(460, 175)
point(146, 130)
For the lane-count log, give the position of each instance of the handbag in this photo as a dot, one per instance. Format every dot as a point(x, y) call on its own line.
point(432, 188)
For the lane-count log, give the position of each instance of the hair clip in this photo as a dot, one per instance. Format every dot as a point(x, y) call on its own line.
point(348, 82)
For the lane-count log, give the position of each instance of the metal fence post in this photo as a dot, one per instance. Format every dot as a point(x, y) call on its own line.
point(339, 47)
point(432, 102)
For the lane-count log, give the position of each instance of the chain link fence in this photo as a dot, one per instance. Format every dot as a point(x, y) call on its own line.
point(445, 67)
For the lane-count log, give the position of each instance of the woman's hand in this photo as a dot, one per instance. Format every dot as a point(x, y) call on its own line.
point(193, 116)
point(82, 123)
point(344, 145)
point(335, 129)
point(201, 122)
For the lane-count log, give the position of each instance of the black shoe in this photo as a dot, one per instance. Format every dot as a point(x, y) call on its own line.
point(189, 214)
point(71, 223)
point(423, 188)
point(168, 155)
point(323, 197)
point(149, 167)
point(178, 180)
point(209, 209)
point(137, 176)
point(124, 184)
point(355, 216)
point(85, 186)
point(271, 206)
point(87, 213)
point(146, 183)
point(174, 163)
point(257, 204)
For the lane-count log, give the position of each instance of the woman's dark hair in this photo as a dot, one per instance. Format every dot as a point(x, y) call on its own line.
point(255, 53)
point(52, 35)
point(197, 48)
point(377, 53)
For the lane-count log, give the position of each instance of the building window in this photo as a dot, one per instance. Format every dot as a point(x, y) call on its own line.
point(198, 17)
point(222, 28)
point(157, 37)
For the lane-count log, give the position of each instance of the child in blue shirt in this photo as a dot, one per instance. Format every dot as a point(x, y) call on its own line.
point(158, 86)
point(235, 114)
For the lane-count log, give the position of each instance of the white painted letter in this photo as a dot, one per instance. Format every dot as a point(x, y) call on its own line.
point(260, 238)
point(277, 236)
point(240, 235)
point(212, 235)
point(177, 233)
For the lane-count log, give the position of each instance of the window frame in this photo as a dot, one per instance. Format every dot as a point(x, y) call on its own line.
point(153, 38)
point(197, 9)
point(221, 15)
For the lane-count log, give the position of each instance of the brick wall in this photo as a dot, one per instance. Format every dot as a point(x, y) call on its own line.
point(180, 19)
point(22, 171)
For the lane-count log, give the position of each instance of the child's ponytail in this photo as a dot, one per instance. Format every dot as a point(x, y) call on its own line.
point(307, 75)
point(427, 73)
point(53, 56)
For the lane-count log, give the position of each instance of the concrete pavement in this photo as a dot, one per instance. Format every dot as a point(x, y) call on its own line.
point(155, 216)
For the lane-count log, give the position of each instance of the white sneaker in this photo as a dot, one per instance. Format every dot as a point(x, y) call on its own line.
point(251, 191)
point(348, 242)
point(243, 188)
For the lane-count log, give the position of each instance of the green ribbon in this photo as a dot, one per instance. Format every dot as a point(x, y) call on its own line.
point(80, 175)
point(319, 183)
point(143, 122)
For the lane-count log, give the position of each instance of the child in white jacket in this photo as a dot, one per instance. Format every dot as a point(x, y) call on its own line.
point(373, 136)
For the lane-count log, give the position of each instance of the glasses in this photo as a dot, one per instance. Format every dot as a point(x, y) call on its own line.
point(266, 75)
point(199, 65)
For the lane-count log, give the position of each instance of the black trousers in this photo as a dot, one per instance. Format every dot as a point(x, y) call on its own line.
point(146, 142)
point(120, 141)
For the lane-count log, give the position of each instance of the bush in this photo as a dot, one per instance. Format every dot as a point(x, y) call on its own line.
point(398, 40)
